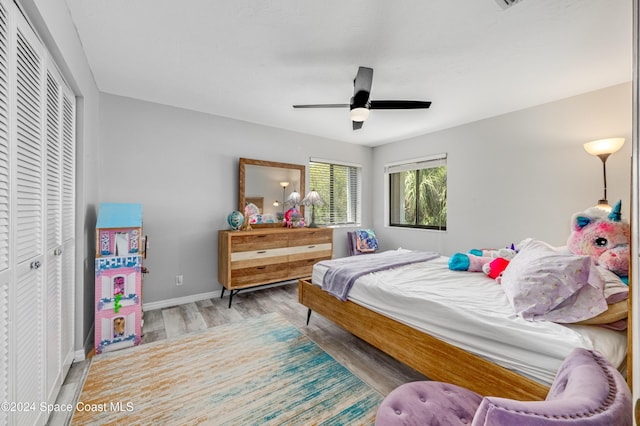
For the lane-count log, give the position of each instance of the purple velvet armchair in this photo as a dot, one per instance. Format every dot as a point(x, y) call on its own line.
point(587, 390)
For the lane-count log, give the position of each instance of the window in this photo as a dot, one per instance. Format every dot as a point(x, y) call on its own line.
point(418, 193)
point(339, 186)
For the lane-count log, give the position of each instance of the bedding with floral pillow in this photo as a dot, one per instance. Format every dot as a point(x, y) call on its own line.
point(543, 282)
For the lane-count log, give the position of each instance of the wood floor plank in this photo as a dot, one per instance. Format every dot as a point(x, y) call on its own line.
point(192, 317)
point(153, 320)
point(153, 336)
point(173, 322)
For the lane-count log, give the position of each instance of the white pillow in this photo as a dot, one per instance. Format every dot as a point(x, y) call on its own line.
point(547, 283)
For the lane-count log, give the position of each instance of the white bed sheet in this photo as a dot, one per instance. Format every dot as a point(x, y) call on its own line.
point(470, 311)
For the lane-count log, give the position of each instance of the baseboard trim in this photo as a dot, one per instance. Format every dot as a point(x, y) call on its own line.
point(203, 296)
point(81, 355)
point(179, 300)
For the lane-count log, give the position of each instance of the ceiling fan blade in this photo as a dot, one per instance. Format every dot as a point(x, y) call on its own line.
point(322, 106)
point(363, 80)
point(357, 125)
point(400, 104)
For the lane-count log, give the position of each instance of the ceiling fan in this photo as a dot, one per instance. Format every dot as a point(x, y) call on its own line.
point(361, 105)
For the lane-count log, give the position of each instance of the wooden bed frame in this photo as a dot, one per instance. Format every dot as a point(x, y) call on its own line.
point(430, 356)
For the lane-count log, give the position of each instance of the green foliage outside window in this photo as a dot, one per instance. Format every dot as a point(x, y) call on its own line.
point(418, 198)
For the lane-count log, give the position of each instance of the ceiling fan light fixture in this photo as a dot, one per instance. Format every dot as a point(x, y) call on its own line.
point(359, 114)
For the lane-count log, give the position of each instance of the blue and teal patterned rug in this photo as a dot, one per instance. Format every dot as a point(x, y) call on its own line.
point(261, 371)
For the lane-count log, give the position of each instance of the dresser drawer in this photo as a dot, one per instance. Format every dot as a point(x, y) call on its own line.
point(311, 236)
point(252, 242)
point(269, 254)
point(248, 277)
point(310, 251)
point(304, 267)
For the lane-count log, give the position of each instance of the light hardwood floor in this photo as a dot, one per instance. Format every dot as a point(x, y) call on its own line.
point(379, 370)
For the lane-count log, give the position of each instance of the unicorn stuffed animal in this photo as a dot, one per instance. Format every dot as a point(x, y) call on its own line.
point(604, 237)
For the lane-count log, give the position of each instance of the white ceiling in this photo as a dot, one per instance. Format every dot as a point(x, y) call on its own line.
point(252, 60)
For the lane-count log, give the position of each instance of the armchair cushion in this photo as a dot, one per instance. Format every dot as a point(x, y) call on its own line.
point(428, 403)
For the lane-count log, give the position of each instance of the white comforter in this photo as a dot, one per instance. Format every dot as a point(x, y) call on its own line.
point(471, 311)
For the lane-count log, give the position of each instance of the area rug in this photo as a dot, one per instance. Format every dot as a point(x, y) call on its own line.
point(260, 371)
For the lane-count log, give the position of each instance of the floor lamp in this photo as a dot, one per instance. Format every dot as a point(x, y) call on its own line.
point(603, 148)
point(284, 191)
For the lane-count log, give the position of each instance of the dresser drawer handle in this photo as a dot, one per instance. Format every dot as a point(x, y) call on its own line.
point(261, 267)
point(310, 246)
point(261, 236)
point(261, 252)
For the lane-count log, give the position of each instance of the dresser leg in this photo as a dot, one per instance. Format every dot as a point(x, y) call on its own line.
point(222, 292)
point(309, 315)
point(231, 293)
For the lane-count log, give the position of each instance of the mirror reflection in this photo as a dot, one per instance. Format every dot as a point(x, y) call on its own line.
point(271, 187)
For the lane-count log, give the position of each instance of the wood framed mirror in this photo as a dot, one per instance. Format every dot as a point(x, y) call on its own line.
point(270, 183)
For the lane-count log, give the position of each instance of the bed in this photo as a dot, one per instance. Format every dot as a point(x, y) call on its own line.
point(459, 329)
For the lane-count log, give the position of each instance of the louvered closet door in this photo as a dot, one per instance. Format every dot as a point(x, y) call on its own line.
point(60, 161)
point(28, 302)
point(5, 197)
point(68, 221)
point(53, 108)
point(37, 221)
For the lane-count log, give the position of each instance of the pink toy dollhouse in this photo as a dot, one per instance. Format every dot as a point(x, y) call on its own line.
point(118, 283)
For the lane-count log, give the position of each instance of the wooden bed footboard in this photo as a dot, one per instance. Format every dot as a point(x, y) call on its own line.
point(430, 356)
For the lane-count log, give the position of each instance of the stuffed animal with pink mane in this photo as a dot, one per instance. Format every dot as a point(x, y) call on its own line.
point(604, 237)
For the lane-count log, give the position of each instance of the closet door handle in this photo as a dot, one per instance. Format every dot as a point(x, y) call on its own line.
point(57, 252)
point(35, 265)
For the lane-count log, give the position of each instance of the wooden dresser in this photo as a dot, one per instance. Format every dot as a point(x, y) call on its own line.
point(268, 255)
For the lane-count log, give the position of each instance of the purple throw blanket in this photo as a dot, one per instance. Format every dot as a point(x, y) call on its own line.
point(343, 272)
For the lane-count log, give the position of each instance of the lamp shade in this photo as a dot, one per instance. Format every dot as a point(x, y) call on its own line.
point(312, 199)
point(604, 146)
point(603, 205)
point(294, 198)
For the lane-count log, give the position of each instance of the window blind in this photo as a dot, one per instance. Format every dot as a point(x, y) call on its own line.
point(340, 188)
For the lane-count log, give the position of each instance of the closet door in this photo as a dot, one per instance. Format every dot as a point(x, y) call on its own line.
point(28, 302)
point(37, 222)
point(53, 181)
point(5, 198)
point(60, 211)
point(68, 221)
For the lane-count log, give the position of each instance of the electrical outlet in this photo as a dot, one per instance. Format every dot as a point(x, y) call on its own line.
point(179, 280)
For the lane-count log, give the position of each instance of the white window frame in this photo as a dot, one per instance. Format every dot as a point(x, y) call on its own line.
point(406, 165)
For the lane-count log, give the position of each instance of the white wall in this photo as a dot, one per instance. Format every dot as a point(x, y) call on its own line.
point(183, 167)
point(517, 175)
point(53, 23)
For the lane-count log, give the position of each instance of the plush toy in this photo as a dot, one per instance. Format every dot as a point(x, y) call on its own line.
point(491, 262)
point(506, 253)
point(604, 237)
point(468, 262)
point(495, 268)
